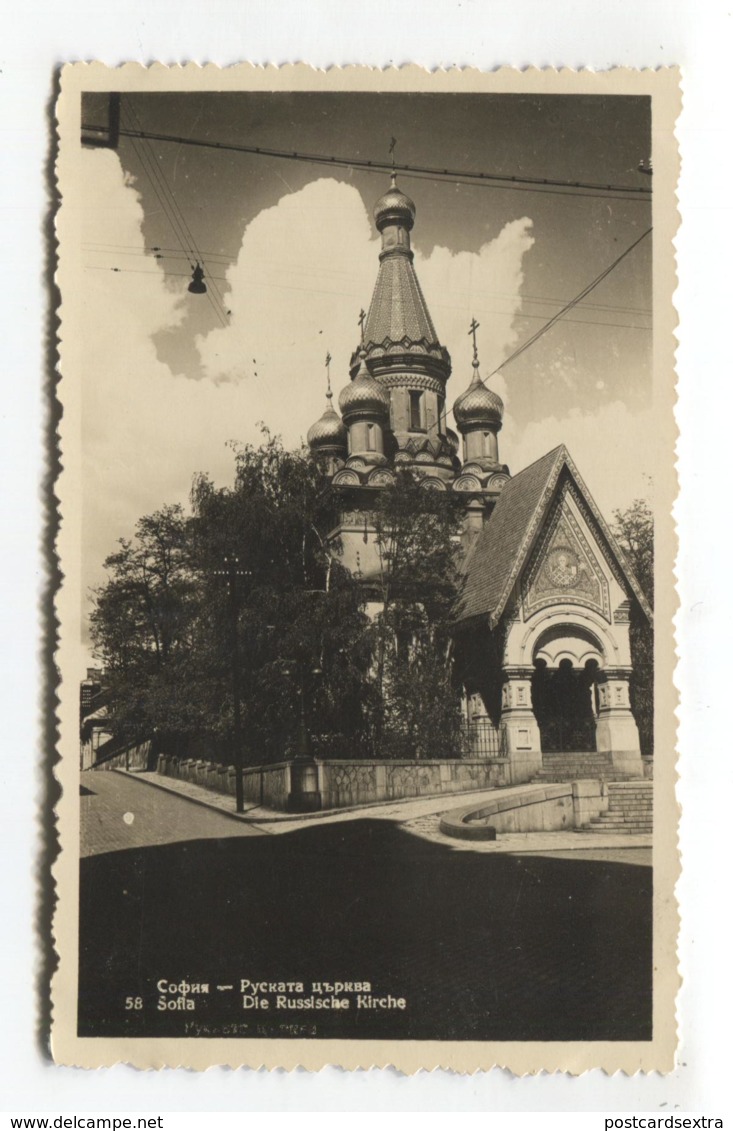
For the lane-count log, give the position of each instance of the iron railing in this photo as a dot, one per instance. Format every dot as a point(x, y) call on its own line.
point(481, 739)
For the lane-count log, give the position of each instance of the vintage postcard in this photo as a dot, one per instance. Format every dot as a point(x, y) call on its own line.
point(367, 714)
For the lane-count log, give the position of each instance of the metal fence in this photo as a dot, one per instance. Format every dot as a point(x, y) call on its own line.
point(481, 739)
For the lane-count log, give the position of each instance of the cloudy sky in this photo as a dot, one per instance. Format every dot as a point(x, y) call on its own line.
point(290, 252)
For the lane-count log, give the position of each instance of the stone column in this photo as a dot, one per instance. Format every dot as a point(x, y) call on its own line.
point(519, 729)
point(616, 730)
point(305, 794)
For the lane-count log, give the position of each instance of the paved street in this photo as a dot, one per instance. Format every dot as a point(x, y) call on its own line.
point(481, 946)
point(421, 817)
point(119, 812)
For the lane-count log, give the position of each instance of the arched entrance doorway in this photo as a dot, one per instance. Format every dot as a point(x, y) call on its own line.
point(567, 661)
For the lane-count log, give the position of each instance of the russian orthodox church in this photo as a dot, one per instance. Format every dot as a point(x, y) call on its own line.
point(542, 631)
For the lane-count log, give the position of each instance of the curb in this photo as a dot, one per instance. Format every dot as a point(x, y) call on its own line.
point(299, 817)
point(240, 818)
point(614, 841)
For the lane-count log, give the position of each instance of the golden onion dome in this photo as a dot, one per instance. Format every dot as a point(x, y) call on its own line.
point(478, 405)
point(364, 396)
point(329, 431)
point(394, 207)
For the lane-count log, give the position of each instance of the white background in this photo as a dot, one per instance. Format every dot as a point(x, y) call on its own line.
point(37, 37)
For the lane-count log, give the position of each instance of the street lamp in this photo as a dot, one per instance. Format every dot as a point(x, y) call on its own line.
point(232, 571)
point(197, 286)
point(305, 796)
point(303, 745)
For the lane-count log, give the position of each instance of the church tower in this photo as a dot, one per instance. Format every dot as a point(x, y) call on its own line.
point(402, 350)
point(327, 438)
point(364, 407)
point(393, 411)
point(542, 640)
point(478, 413)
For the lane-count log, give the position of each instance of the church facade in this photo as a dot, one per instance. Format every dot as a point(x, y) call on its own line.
point(542, 629)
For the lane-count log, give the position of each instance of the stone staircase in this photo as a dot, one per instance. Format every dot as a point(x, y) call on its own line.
point(629, 809)
point(578, 767)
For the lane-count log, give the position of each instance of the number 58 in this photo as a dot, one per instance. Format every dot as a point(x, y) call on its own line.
point(133, 1003)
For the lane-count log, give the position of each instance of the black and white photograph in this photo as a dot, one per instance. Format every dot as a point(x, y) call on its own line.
point(367, 714)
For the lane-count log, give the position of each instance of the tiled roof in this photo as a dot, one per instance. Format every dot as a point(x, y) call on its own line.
point(500, 551)
point(493, 556)
point(398, 309)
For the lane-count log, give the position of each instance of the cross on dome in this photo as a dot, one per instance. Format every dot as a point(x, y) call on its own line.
point(478, 405)
point(472, 333)
point(329, 394)
point(329, 432)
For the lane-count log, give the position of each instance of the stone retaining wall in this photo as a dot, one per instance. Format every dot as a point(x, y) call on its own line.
point(263, 785)
point(130, 758)
point(343, 784)
point(346, 783)
point(547, 808)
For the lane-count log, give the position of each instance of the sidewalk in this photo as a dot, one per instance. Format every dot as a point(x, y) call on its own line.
point(630, 848)
point(399, 811)
point(420, 817)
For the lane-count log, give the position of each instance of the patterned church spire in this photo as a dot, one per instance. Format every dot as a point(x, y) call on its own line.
point(398, 325)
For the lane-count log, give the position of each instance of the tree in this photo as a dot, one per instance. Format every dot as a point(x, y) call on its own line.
point(300, 616)
point(143, 625)
point(416, 708)
point(634, 531)
point(251, 575)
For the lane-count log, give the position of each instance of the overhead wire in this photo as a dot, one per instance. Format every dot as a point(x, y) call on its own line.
point(159, 248)
point(137, 271)
point(172, 220)
point(550, 185)
point(175, 254)
point(183, 233)
point(149, 170)
point(177, 221)
point(466, 179)
point(169, 205)
point(176, 206)
point(568, 306)
point(586, 322)
point(285, 286)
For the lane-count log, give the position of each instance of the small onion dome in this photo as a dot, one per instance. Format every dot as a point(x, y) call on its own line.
point(329, 431)
point(364, 396)
point(453, 440)
point(395, 207)
point(478, 405)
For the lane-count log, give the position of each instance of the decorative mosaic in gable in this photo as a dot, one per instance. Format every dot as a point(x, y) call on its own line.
point(565, 568)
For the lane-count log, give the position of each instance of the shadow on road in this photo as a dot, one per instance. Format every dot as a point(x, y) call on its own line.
point(483, 947)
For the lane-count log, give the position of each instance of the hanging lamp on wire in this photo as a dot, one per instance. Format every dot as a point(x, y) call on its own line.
point(197, 286)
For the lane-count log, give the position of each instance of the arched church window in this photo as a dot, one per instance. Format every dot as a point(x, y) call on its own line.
point(371, 440)
point(417, 411)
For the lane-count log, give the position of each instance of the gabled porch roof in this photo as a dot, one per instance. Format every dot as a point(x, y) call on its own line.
point(501, 550)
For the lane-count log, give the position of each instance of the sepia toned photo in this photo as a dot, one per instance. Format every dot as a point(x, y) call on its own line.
point(366, 658)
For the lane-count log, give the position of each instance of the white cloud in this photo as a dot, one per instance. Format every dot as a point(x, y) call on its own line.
point(306, 265)
point(305, 268)
point(484, 285)
point(145, 432)
point(613, 449)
